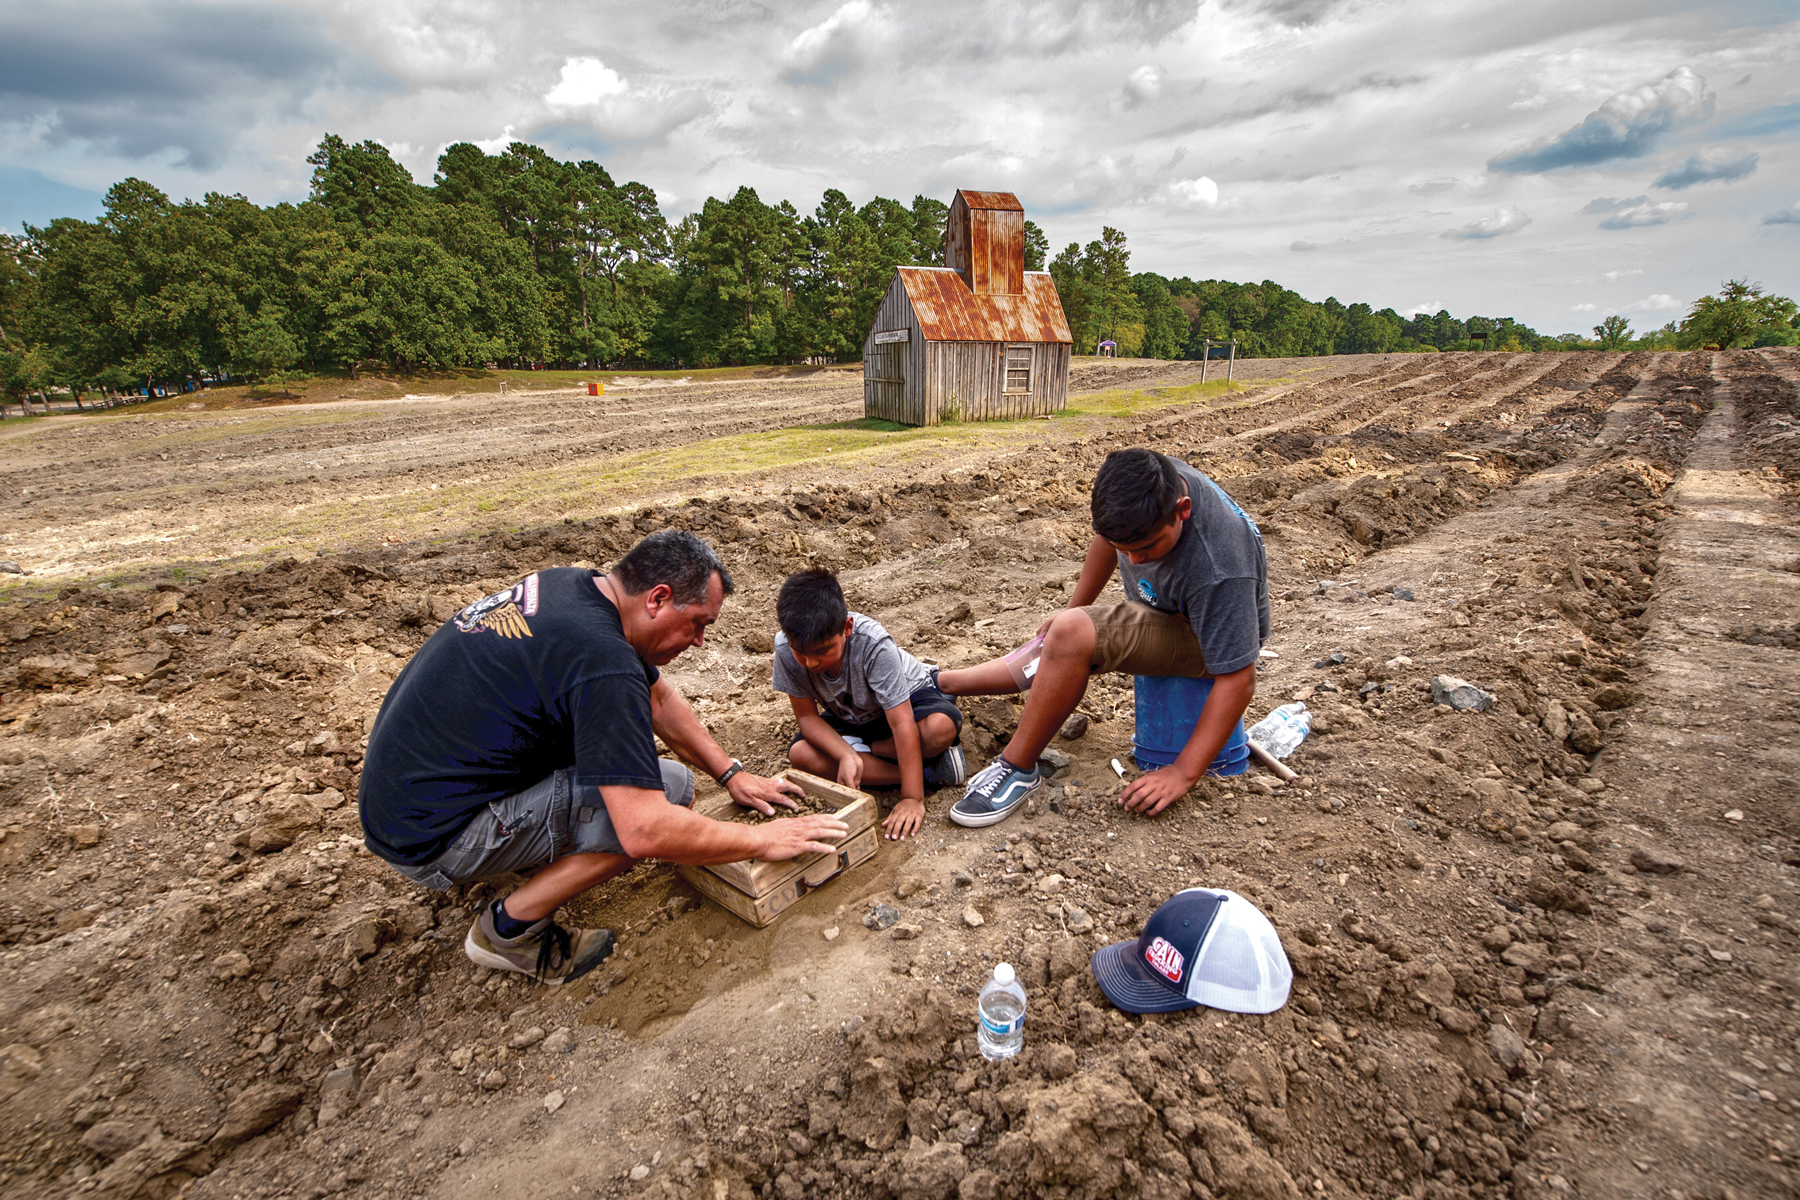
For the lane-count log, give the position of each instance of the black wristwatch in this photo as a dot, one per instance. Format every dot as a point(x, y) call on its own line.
point(733, 769)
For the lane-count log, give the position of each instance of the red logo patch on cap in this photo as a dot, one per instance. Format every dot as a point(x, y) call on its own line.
point(1165, 959)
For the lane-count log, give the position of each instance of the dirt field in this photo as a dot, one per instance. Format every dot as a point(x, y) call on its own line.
point(1541, 950)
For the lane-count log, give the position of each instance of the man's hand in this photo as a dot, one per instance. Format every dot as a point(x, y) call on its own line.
point(760, 793)
point(791, 837)
point(850, 770)
point(906, 819)
point(1151, 793)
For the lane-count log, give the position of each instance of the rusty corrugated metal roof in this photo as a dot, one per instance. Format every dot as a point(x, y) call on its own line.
point(1001, 200)
point(949, 312)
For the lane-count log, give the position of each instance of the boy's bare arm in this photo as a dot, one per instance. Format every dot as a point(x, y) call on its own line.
point(1154, 791)
point(827, 741)
point(907, 752)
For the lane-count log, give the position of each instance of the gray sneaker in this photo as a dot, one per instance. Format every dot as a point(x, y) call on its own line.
point(994, 794)
point(947, 769)
point(546, 951)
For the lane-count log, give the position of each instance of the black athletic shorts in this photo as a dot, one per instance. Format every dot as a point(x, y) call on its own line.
point(925, 701)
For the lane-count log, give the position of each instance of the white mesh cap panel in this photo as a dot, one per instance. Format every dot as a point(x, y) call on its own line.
point(1242, 966)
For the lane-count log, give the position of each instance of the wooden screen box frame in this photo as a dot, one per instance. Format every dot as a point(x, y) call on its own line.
point(760, 891)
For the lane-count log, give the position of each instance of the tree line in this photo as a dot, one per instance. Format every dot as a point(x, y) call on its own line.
point(520, 259)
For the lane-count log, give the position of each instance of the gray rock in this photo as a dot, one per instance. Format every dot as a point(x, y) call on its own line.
point(527, 1038)
point(337, 1094)
point(1508, 1047)
point(493, 1081)
point(972, 917)
point(1460, 694)
point(8, 567)
point(882, 916)
point(1055, 759)
point(1077, 919)
point(1401, 593)
point(1335, 659)
point(1655, 862)
point(1074, 728)
point(559, 1042)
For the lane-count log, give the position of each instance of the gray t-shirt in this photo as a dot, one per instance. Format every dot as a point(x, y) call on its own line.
point(874, 676)
point(1217, 576)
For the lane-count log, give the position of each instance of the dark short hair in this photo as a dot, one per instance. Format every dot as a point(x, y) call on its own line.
point(1135, 494)
point(811, 608)
point(676, 558)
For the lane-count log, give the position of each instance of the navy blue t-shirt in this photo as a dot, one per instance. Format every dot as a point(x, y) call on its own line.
point(526, 682)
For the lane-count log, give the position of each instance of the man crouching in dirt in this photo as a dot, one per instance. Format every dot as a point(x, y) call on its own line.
point(1197, 604)
point(521, 738)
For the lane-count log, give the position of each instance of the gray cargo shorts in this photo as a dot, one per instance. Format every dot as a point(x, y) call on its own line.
point(531, 829)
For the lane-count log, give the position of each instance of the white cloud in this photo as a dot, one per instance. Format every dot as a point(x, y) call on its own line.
point(495, 145)
point(1656, 302)
point(822, 52)
point(1786, 216)
point(1142, 86)
point(1195, 193)
point(1583, 307)
point(585, 82)
point(1628, 125)
point(1715, 164)
point(1637, 213)
point(1508, 218)
point(1413, 310)
point(1615, 276)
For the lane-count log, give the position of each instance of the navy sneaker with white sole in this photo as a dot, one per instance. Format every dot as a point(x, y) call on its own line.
point(994, 794)
point(947, 769)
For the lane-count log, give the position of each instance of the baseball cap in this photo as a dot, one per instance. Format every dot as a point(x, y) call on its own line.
point(1204, 946)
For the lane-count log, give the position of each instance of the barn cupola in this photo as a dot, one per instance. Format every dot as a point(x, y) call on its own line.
point(985, 242)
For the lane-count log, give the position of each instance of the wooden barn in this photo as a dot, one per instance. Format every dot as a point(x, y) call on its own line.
point(982, 339)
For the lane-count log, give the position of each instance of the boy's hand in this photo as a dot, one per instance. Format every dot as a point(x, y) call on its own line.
point(905, 820)
point(850, 770)
point(1154, 791)
point(760, 793)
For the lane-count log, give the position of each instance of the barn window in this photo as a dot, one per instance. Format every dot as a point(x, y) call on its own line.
point(1018, 368)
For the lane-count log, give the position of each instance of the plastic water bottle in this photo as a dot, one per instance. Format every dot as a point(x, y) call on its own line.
point(1023, 663)
point(1282, 731)
point(1002, 1011)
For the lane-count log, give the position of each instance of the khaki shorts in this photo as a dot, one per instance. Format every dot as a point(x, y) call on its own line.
point(1135, 639)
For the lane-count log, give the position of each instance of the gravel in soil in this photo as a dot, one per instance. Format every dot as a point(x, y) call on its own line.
point(1536, 954)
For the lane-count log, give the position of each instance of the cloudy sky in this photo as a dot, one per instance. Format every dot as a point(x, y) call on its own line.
point(1554, 160)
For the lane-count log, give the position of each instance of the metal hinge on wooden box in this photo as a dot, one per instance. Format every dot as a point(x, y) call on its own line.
point(760, 891)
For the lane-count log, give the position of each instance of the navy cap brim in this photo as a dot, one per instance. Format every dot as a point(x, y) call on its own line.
point(1122, 975)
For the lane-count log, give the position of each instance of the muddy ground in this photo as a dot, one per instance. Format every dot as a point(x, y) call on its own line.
point(1544, 949)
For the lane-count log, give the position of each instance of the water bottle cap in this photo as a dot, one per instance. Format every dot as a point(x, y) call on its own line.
point(1003, 974)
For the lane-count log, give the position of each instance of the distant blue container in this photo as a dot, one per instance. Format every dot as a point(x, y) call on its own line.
point(1168, 708)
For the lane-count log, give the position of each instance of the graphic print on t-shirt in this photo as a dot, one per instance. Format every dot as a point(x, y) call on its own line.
point(1147, 592)
point(503, 613)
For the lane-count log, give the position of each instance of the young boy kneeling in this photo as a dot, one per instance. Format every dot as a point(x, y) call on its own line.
point(884, 721)
point(1197, 604)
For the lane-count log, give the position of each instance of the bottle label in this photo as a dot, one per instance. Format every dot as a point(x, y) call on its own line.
point(1002, 1029)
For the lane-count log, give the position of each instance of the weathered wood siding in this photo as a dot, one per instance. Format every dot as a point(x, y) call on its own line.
point(894, 372)
point(972, 377)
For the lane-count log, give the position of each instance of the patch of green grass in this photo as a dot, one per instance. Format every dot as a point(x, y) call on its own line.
point(1123, 402)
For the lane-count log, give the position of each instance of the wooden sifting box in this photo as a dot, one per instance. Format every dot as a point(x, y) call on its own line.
point(760, 891)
